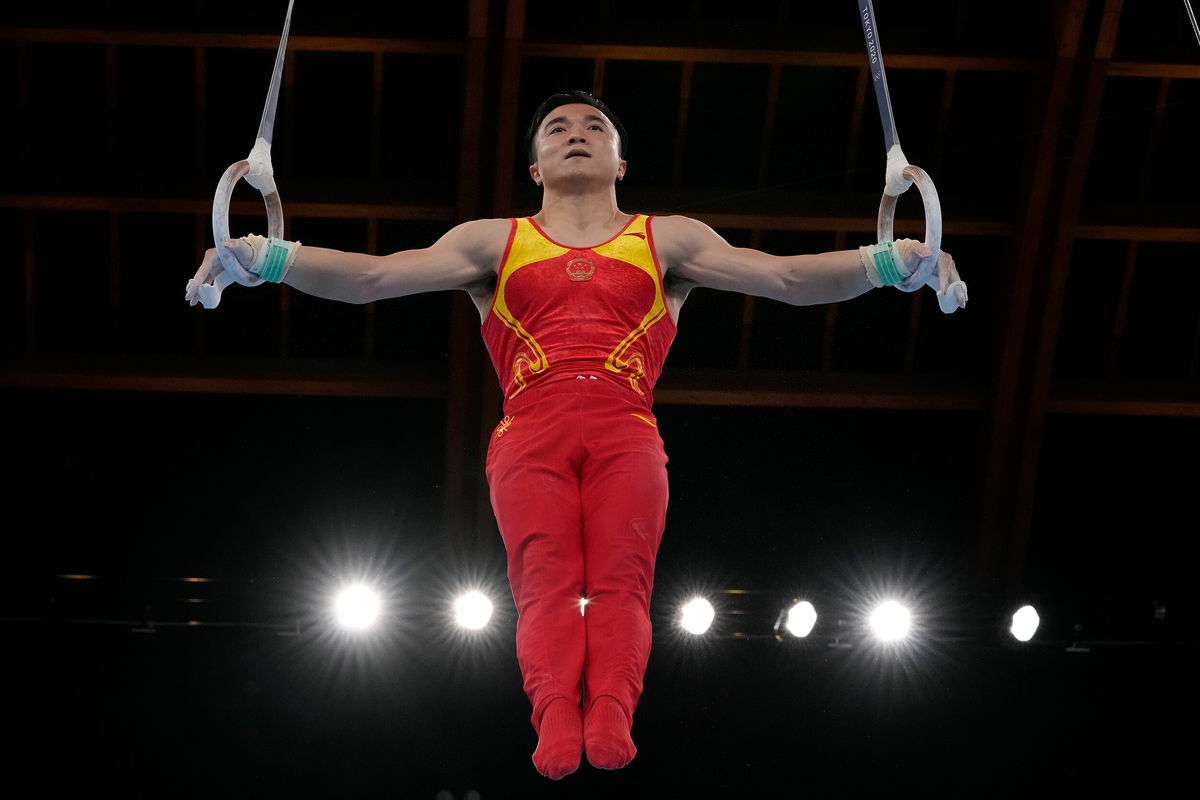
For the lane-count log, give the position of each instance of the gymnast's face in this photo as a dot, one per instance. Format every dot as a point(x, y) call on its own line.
point(576, 143)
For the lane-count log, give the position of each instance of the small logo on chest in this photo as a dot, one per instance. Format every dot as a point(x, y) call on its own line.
point(580, 269)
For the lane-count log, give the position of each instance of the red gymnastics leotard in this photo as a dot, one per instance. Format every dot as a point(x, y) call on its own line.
point(576, 468)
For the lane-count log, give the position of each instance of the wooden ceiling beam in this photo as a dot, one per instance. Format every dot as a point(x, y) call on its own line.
point(357, 379)
point(232, 41)
point(1023, 267)
point(798, 58)
point(463, 460)
point(1069, 204)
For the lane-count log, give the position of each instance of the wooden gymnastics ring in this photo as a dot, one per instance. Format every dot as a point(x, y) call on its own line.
point(215, 274)
point(933, 213)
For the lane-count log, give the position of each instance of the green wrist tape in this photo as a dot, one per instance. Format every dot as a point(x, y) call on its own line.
point(885, 262)
point(880, 263)
point(279, 258)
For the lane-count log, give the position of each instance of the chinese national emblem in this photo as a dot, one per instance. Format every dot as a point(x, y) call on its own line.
point(580, 269)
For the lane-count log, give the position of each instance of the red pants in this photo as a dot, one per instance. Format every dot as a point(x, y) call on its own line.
point(579, 485)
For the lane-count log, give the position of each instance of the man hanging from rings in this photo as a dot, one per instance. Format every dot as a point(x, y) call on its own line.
point(579, 305)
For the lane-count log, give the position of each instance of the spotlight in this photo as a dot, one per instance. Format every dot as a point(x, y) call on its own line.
point(801, 618)
point(357, 607)
point(697, 616)
point(1024, 623)
point(473, 610)
point(890, 621)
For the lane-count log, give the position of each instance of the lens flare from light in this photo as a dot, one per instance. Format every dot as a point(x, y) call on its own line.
point(801, 619)
point(1025, 623)
point(357, 607)
point(697, 616)
point(890, 621)
point(473, 610)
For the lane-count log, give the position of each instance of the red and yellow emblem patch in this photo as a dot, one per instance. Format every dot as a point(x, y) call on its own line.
point(580, 269)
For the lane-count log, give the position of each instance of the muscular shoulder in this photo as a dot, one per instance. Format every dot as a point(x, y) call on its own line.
point(481, 240)
point(678, 239)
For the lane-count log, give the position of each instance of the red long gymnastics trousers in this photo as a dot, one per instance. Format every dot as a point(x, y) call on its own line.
point(578, 483)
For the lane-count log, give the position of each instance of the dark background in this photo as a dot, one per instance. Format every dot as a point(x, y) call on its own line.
point(186, 487)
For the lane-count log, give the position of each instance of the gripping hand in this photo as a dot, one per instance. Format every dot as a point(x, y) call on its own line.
point(250, 260)
point(908, 265)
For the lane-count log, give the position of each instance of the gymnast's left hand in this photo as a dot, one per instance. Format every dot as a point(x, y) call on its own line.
point(923, 269)
point(244, 260)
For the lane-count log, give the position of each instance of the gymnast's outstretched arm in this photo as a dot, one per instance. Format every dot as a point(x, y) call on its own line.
point(694, 255)
point(464, 257)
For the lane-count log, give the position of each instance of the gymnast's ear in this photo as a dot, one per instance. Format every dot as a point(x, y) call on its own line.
point(533, 173)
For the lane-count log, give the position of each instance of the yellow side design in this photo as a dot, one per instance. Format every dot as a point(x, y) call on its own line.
point(633, 247)
point(528, 247)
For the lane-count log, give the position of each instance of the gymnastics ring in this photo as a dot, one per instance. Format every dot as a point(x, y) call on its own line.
point(933, 218)
point(212, 278)
point(215, 274)
point(951, 290)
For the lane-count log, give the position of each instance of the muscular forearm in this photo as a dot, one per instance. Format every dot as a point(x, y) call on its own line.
point(465, 256)
point(844, 274)
point(824, 278)
point(802, 280)
point(335, 275)
point(696, 256)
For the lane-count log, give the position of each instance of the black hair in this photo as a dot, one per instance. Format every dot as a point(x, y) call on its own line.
point(564, 98)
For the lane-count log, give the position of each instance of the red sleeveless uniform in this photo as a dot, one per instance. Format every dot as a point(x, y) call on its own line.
point(559, 311)
point(576, 468)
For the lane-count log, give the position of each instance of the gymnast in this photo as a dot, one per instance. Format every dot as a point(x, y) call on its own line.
point(579, 305)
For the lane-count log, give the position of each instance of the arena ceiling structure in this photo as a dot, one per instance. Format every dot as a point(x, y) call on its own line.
point(192, 482)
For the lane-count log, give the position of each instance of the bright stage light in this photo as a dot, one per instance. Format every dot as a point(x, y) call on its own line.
point(1025, 623)
point(473, 610)
point(890, 621)
point(357, 607)
point(697, 616)
point(801, 618)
